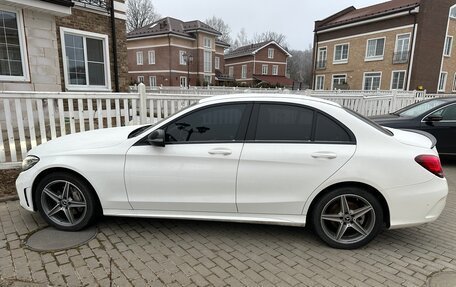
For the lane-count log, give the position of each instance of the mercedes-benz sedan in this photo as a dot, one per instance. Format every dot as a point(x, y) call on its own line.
point(276, 159)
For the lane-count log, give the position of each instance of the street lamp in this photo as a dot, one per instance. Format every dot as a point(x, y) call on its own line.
point(188, 58)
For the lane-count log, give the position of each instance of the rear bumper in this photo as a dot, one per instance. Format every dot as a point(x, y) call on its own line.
point(417, 204)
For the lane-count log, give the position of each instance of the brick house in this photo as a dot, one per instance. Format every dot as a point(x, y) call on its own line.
point(171, 52)
point(399, 44)
point(62, 45)
point(257, 64)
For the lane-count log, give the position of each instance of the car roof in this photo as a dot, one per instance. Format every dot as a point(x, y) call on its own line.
point(264, 96)
point(445, 99)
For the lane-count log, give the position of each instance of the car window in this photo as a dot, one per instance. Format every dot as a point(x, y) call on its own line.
point(329, 130)
point(447, 113)
point(420, 108)
point(218, 123)
point(284, 122)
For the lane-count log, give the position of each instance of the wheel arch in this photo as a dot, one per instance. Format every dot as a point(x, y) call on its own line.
point(369, 188)
point(51, 170)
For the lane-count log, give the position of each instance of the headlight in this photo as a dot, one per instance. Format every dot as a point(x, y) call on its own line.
point(29, 162)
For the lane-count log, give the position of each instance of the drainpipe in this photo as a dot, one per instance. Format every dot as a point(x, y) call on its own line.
point(114, 47)
point(169, 53)
point(412, 46)
point(314, 60)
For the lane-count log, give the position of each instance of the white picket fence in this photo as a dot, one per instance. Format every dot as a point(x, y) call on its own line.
point(28, 119)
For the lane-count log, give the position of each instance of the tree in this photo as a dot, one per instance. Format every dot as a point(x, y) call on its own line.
point(279, 38)
point(219, 25)
point(300, 66)
point(140, 13)
point(241, 39)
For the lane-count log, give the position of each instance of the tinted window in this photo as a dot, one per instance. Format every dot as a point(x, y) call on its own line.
point(328, 130)
point(284, 122)
point(448, 113)
point(220, 123)
point(419, 108)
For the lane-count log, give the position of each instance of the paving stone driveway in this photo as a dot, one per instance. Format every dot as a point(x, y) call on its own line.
point(147, 252)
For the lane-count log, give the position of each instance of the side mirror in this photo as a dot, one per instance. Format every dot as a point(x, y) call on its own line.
point(433, 118)
point(156, 138)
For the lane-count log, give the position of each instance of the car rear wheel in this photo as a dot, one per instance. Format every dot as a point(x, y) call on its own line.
point(65, 201)
point(347, 217)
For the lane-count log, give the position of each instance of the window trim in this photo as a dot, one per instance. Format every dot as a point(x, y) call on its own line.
point(231, 71)
point(270, 53)
point(397, 40)
point(316, 82)
point(217, 62)
point(444, 82)
point(364, 79)
point(244, 75)
point(139, 58)
point(392, 78)
point(264, 69)
point(341, 61)
point(454, 83)
point(22, 47)
point(151, 52)
point(452, 8)
point(318, 53)
point(276, 68)
point(140, 77)
point(182, 61)
point(107, 62)
point(150, 82)
point(445, 46)
point(332, 79)
point(375, 58)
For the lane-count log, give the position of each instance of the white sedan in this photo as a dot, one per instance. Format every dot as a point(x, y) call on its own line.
point(285, 159)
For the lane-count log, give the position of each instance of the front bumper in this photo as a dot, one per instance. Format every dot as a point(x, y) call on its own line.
point(417, 204)
point(24, 184)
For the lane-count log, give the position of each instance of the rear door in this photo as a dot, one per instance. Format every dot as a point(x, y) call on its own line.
point(289, 151)
point(443, 130)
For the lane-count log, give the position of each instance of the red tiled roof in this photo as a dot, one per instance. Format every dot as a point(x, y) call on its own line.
point(377, 10)
point(274, 80)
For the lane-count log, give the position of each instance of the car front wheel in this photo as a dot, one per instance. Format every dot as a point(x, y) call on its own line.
point(347, 217)
point(65, 201)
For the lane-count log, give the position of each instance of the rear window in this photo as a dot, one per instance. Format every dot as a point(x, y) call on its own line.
point(369, 122)
point(328, 130)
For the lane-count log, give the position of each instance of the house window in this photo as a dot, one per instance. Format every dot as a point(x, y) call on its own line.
point(341, 53)
point(453, 13)
point(321, 60)
point(151, 56)
point(372, 81)
point(401, 52)
point(442, 81)
point(153, 81)
point(448, 44)
point(320, 82)
point(231, 71)
point(139, 58)
point(207, 42)
point(13, 65)
point(207, 61)
point(275, 70)
point(217, 63)
point(183, 82)
point(375, 49)
point(207, 79)
point(270, 53)
point(338, 81)
point(264, 69)
point(398, 80)
point(454, 83)
point(140, 79)
point(182, 60)
point(86, 60)
point(244, 72)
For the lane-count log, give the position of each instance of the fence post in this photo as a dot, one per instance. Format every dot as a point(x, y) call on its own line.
point(142, 104)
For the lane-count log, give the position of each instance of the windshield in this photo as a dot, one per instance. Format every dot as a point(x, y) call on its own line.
point(419, 108)
point(369, 122)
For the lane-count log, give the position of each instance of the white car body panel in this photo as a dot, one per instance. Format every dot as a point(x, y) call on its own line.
point(118, 171)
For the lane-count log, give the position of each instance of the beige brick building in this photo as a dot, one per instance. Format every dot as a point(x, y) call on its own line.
point(399, 44)
point(171, 52)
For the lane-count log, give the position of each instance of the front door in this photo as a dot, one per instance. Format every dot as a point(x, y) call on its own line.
point(196, 169)
point(443, 130)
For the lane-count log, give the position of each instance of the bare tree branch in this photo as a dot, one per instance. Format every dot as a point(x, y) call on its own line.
point(140, 13)
point(219, 25)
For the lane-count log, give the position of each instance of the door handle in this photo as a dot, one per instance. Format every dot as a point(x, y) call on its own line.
point(222, 151)
point(324, 154)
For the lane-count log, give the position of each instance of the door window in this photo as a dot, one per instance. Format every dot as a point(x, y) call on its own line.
point(213, 124)
point(447, 113)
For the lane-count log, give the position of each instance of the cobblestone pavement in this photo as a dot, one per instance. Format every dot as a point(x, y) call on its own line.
point(148, 252)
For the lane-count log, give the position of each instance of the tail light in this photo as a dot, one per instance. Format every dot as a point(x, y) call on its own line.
point(431, 163)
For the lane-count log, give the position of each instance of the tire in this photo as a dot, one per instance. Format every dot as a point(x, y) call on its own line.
point(65, 201)
point(347, 217)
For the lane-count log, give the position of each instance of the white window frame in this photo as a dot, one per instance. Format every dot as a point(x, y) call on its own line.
point(244, 72)
point(231, 71)
point(377, 57)
point(264, 69)
point(151, 57)
point(209, 78)
point(207, 43)
point(341, 61)
point(453, 12)
point(446, 48)
point(207, 61)
point(454, 82)
point(439, 88)
point(107, 63)
point(392, 79)
point(397, 41)
point(152, 79)
point(270, 53)
point(184, 78)
point(140, 79)
point(275, 70)
point(22, 46)
point(317, 88)
point(364, 80)
point(337, 75)
point(217, 63)
point(139, 58)
point(182, 60)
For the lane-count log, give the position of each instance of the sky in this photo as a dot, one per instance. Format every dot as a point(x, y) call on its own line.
point(293, 18)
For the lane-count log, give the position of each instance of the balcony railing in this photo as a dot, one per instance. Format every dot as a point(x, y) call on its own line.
point(400, 57)
point(94, 4)
point(321, 65)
